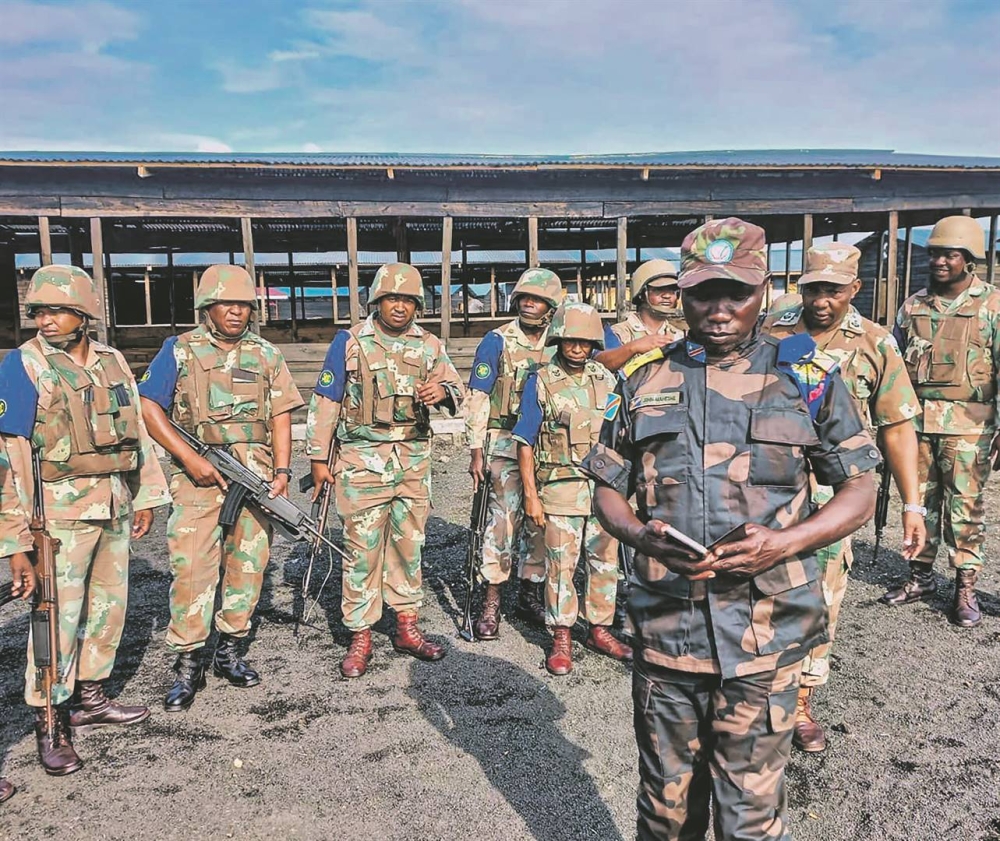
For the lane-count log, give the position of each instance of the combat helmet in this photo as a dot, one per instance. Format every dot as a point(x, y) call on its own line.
point(542, 283)
point(225, 283)
point(64, 287)
point(961, 232)
point(576, 321)
point(397, 279)
point(649, 271)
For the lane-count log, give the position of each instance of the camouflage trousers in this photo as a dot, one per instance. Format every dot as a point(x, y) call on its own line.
point(508, 531)
point(834, 562)
point(566, 538)
point(199, 554)
point(953, 470)
point(385, 542)
point(92, 594)
point(705, 740)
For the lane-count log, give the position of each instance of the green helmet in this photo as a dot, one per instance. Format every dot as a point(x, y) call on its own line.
point(65, 287)
point(225, 283)
point(541, 283)
point(961, 232)
point(397, 279)
point(648, 272)
point(576, 321)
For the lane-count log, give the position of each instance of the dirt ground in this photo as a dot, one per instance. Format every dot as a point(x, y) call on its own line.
point(485, 744)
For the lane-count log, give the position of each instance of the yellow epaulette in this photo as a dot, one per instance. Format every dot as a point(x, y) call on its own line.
point(636, 362)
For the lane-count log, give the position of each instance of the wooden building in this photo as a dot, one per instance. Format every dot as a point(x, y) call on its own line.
point(313, 228)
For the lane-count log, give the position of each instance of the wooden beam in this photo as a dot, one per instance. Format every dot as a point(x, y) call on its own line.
point(292, 298)
point(333, 288)
point(352, 270)
point(908, 262)
point(45, 241)
point(991, 251)
point(621, 268)
point(891, 270)
point(246, 224)
point(446, 231)
point(402, 247)
point(788, 264)
point(149, 298)
point(100, 282)
point(532, 242)
point(807, 234)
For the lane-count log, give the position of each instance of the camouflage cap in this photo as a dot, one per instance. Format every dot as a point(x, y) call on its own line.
point(397, 279)
point(576, 321)
point(724, 248)
point(65, 287)
point(833, 262)
point(655, 273)
point(542, 283)
point(224, 282)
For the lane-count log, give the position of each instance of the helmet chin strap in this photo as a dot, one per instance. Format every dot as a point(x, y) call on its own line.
point(219, 334)
point(660, 309)
point(65, 339)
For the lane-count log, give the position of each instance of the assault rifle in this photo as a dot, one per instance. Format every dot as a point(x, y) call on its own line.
point(44, 608)
point(247, 488)
point(7, 593)
point(474, 554)
point(882, 506)
point(626, 560)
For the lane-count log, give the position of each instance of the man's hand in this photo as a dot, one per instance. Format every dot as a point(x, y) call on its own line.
point(653, 341)
point(23, 575)
point(533, 510)
point(914, 535)
point(477, 468)
point(203, 473)
point(279, 487)
point(430, 394)
point(321, 476)
point(142, 521)
point(760, 550)
point(995, 451)
point(652, 539)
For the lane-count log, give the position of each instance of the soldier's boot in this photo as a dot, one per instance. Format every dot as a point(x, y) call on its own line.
point(92, 708)
point(808, 735)
point(965, 609)
point(487, 626)
point(602, 640)
point(560, 659)
point(921, 585)
point(6, 790)
point(55, 744)
point(190, 677)
point(359, 654)
point(530, 605)
point(409, 640)
point(227, 663)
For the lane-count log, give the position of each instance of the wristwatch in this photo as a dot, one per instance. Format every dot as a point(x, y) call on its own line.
point(913, 508)
point(283, 471)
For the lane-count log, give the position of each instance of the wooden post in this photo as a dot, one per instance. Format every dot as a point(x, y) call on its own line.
point(246, 225)
point(891, 270)
point(991, 251)
point(292, 298)
point(532, 242)
point(352, 269)
point(333, 287)
point(908, 262)
point(788, 265)
point(446, 229)
point(100, 282)
point(265, 307)
point(402, 245)
point(173, 297)
point(149, 299)
point(807, 234)
point(8, 272)
point(770, 283)
point(493, 291)
point(622, 268)
point(45, 241)
point(466, 280)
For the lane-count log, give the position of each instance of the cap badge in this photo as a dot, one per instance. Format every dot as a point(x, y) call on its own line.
point(720, 251)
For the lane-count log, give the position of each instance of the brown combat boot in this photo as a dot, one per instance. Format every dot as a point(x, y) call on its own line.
point(55, 747)
point(965, 608)
point(359, 654)
point(560, 659)
point(6, 790)
point(921, 585)
point(530, 605)
point(809, 735)
point(409, 640)
point(487, 626)
point(92, 707)
point(601, 639)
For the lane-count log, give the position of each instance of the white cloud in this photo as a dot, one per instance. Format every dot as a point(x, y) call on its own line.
point(92, 25)
point(240, 79)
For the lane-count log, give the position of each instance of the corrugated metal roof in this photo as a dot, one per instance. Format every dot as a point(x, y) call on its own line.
point(716, 159)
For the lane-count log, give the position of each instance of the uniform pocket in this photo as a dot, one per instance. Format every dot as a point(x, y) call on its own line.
point(777, 437)
point(781, 710)
point(667, 425)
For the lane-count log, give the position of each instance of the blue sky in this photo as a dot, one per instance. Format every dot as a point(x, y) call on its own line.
point(519, 76)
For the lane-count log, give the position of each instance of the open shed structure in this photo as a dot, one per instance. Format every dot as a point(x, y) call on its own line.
point(313, 228)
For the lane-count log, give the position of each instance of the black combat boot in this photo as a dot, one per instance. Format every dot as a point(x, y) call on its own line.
point(55, 744)
point(231, 666)
point(921, 585)
point(190, 678)
point(92, 707)
point(530, 605)
point(965, 608)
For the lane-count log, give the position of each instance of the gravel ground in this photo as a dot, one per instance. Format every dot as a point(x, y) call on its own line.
point(485, 744)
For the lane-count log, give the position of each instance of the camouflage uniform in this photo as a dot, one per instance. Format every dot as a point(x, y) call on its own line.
point(952, 353)
point(708, 446)
point(872, 369)
point(365, 398)
point(221, 395)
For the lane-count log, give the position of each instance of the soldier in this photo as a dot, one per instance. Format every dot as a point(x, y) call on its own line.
point(873, 371)
point(503, 361)
point(718, 439)
point(225, 385)
point(656, 322)
point(950, 335)
point(71, 404)
point(371, 402)
point(561, 414)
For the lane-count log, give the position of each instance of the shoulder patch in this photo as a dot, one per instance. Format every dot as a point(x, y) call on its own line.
point(483, 370)
point(636, 362)
point(612, 406)
point(326, 377)
point(789, 317)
